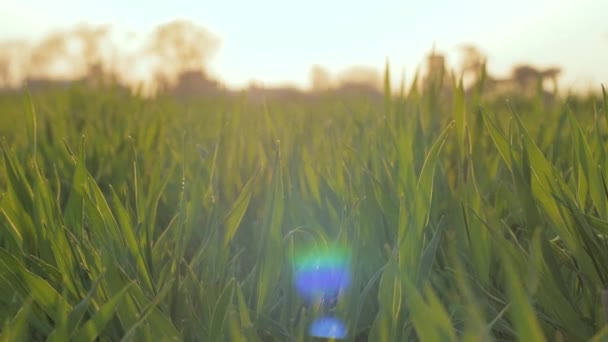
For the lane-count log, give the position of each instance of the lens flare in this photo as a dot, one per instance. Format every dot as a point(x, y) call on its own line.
point(322, 275)
point(327, 327)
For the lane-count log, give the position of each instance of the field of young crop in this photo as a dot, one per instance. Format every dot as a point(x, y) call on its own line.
point(443, 217)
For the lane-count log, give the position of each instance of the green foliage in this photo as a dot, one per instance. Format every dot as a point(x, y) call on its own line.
point(123, 218)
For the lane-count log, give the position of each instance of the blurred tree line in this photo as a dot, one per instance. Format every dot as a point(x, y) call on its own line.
point(174, 60)
point(93, 55)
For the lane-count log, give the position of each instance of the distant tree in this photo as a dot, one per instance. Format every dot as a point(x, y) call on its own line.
point(71, 53)
point(14, 56)
point(320, 78)
point(48, 55)
point(435, 69)
point(95, 45)
point(181, 46)
point(473, 61)
point(526, 77)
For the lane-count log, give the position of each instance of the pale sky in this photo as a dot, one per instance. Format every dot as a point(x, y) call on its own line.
point(277, 41)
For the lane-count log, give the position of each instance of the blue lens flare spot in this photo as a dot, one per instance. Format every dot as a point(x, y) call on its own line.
point(327, 327)
point(322, 275)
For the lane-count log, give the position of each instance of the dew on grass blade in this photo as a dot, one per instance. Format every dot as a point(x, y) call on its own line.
point(322, 275)
point(327, 327)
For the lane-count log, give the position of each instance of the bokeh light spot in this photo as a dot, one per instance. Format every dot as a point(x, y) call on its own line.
point(322, 275)
point(327, 327)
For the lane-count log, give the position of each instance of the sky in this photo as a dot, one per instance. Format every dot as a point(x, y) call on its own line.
point(276, 42)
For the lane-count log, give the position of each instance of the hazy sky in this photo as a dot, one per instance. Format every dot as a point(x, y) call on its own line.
point(276, 41)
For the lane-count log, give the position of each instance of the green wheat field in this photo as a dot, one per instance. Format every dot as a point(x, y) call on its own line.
point(124, 218)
